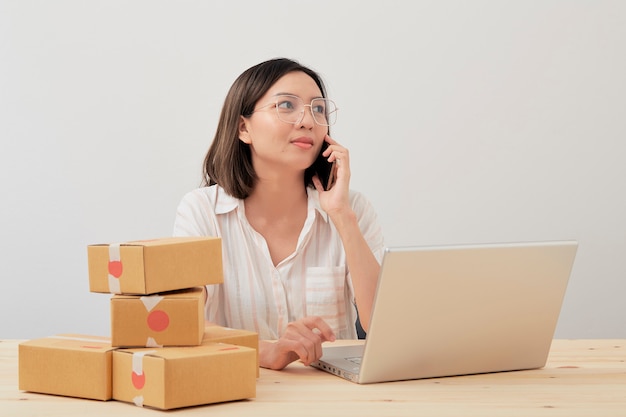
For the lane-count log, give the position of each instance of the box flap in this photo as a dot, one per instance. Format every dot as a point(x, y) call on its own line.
point(173, 353)
point(72, 342)
point(159, 241)
point(190, 293)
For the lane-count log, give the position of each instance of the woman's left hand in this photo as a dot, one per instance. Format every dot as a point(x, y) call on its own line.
point(337, 199)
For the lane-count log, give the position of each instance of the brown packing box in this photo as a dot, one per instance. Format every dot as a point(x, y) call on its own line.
point(214, 333)
point(168, 319)
point(175, 377)
point(154, 266)
point(70, 364)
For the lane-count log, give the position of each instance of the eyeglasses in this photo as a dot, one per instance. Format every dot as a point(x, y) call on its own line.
point(290, 109)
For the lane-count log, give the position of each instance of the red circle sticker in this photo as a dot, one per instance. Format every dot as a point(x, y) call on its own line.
point(158, 320)
point(139, 380)
point(115, 268)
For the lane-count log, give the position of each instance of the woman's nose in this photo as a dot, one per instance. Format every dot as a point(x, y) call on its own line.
point(306, 117)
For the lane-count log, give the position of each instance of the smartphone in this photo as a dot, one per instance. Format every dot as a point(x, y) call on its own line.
point(326, 171)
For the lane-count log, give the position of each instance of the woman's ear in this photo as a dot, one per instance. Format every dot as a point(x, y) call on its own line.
point(244, 134)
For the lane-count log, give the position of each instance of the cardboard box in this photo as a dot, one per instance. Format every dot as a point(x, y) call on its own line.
point(154, 266)
point(167, 319)
point(175, 377)
point(70, 364)
point(213, 334)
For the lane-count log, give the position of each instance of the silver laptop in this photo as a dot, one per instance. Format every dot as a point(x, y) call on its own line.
point(459, 310)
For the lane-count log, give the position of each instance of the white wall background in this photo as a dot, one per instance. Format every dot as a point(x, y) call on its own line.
point(467, 121)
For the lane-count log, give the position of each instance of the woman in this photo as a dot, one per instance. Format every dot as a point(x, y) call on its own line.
point(298, 259)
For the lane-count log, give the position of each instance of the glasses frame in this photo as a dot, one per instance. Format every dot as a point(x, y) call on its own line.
point(310, 106)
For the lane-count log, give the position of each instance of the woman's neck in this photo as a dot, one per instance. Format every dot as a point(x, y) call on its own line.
point(278, 197)
point(277, 210)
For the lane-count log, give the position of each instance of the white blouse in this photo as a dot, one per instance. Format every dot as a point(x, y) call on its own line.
point(261, 297)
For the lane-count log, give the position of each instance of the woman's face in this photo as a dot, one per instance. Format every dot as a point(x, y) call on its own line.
point(277, 145)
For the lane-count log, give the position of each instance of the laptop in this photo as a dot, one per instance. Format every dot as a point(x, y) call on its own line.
point(459, 310)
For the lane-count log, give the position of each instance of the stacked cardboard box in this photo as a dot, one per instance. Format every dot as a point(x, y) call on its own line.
point(72, 365)
point(160, 354)
point(167, 319)
point(154, 266)
point(183, 376)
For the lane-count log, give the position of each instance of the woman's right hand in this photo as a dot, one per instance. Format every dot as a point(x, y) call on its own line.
point(302, 340)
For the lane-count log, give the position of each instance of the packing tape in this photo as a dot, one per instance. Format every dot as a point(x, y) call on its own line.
point(138, 361)
point(151, 343)
point(115, 268)
point(151, 301)
point(138, 378)
point(158, 320)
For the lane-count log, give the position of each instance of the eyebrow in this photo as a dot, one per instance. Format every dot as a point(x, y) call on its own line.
point(295, 95)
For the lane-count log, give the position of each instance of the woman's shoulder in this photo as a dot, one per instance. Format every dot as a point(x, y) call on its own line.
point(211, 196)
point(358, 200)
point(206, 192)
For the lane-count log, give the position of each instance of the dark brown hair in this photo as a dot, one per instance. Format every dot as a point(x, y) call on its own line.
point(228, 161)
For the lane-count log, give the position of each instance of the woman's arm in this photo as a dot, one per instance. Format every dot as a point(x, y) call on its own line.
point(362, 263)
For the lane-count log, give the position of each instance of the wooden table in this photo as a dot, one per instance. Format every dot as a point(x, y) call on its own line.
point(581, 378)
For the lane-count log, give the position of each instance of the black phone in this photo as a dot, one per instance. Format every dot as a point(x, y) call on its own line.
point(326, 171)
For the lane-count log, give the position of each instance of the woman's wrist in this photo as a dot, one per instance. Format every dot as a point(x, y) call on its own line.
point(270, 356)
point(343, 219)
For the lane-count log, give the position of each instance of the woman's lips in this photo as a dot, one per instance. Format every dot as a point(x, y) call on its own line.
point(303, 143)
